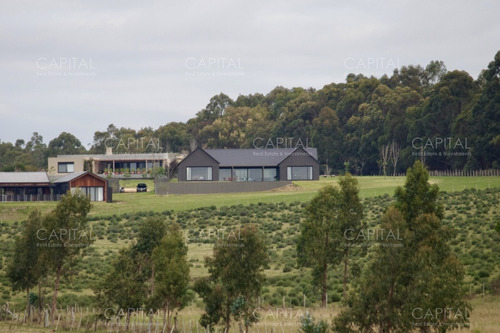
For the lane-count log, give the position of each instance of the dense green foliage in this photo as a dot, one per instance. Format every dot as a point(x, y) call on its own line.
point(413, 280)
point(378, 125)
point(27, 267)
point(152, 273)
point(328, 217)
point(49, 245)
point(236, 277)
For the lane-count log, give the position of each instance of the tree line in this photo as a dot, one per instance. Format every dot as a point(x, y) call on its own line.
point(445, 119)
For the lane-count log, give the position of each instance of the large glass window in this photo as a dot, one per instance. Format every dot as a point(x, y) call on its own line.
point(95, 193)
point(199, 173)
point(299, 173)
point(240, 175)
point(65, 167)
point(224, 174)
point(255, 175)
point(270, 174)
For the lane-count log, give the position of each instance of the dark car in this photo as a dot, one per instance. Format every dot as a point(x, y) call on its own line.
point(141, 187)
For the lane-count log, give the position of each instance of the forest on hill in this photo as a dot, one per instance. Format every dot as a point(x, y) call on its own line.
point(446, 119)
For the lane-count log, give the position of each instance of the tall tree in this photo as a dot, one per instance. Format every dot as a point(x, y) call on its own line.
point(37, 149)
point(132, 281)
point(171, 274)
point(418, 196)
point(150, 234)
point(319, 241)
point(327, 136)
point(322, 242)
point(26, 268)
point(174, 137)
point(123, 287)
point(236, 278)
point(65, 143)
point(485, 119)
point(104, 139)
point(350, 215)
point(434, 118)
point(435, 71)
point(403, 284)
point(66, 234)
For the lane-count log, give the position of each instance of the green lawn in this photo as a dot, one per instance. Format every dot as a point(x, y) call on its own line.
point(370, 186)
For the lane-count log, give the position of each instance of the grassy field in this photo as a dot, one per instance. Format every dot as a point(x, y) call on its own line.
point(302, 191)
point(471, 213)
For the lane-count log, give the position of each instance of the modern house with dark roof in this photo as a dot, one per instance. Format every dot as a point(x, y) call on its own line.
point(250, 165)
point(39, 186)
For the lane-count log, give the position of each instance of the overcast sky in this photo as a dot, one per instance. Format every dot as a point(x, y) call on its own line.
point(78, 66)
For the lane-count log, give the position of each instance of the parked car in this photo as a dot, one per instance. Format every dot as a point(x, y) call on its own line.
point(141, 187)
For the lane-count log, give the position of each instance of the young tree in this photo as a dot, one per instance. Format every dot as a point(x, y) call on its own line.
point(123, 287)
point(404, 284)
point(132, 281)
point(319, 241)
point(150, 235)
point(236, 278)
point(65, 235)
point(418, 196)
point(322, 242)
point(376, 296)
point(350, 215)
point(26, 269)
point(171, 274)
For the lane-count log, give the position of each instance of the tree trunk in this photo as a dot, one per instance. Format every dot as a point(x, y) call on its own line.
point(169, 313)
point(164, 321)
point(346, 264)
point(324, 281)
point(40, 300)
point(56, 289)
point(395, 150)
point(228, 319)
point(152, 279)
point(324, 285)
point(28, 305)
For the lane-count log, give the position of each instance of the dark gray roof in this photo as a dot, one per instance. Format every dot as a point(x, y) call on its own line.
point(254, 157)
point(23, 177)
point(69, 177)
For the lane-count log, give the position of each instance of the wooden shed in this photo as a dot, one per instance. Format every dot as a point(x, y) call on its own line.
point(88, 183)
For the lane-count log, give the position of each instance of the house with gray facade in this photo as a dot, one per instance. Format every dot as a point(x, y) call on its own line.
point(249, 165)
